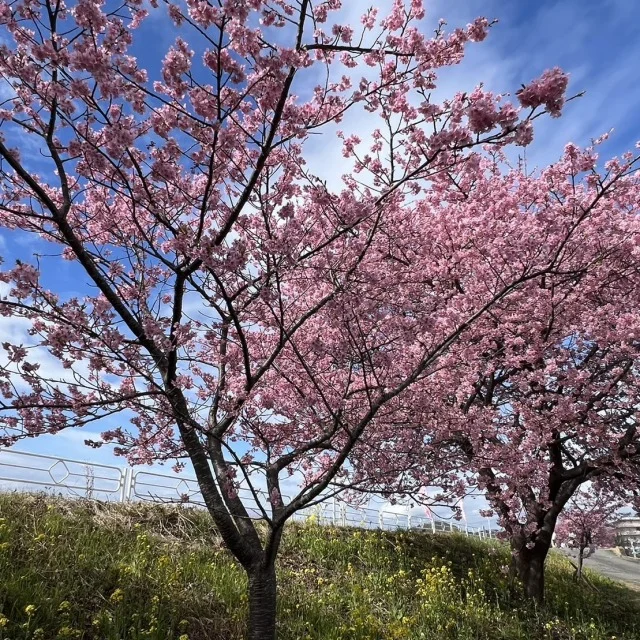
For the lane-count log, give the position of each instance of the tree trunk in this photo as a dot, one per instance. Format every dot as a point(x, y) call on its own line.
point(581, 548)
point(262, 602)
point(529, 566)
point(580, 562)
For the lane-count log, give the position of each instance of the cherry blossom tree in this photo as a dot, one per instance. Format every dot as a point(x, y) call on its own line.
point(542, 397)
point(550, 427)
point(586, 523)
point(237, 310)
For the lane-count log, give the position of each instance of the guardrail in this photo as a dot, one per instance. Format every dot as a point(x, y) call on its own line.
point(22, 471)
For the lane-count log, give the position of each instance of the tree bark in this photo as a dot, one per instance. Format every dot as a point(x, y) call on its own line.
point(580, 562)
point(262, 602)
point(529, 567)
point(581, 547)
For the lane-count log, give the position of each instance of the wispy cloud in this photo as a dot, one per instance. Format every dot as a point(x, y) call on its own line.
point(595, 42)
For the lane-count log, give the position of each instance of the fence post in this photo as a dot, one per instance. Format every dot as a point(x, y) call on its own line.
point(127, 484)
point(409, 516)
point(124, 474)
point(489, 527)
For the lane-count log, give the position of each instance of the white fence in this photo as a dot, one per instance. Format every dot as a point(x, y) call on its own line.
point(21, 471)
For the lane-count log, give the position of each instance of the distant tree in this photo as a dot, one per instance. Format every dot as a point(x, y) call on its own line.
point(239, 311)
point(587, 523)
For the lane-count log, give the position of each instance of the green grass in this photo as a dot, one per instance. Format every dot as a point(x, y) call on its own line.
point(114, 572)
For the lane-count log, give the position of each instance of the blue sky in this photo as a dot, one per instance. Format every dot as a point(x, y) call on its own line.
point(596, 41)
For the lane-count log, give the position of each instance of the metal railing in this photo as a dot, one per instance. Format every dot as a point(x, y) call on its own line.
point(22, 471)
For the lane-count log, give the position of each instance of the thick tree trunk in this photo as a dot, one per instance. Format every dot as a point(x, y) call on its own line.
point(529, 567)
point(262, 603)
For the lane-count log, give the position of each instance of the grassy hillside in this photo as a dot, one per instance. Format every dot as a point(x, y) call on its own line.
point(110, 572)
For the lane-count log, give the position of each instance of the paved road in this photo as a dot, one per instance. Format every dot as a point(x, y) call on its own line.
point(615, 567)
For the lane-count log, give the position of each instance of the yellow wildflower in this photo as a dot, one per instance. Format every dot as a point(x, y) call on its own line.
point(117, 596)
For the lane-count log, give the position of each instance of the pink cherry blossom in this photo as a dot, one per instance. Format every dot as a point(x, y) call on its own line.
point(548, 90)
